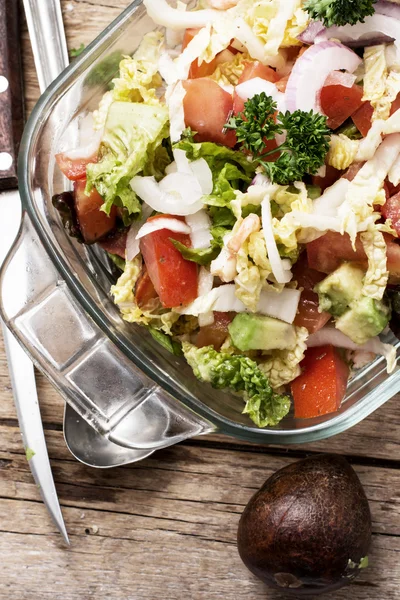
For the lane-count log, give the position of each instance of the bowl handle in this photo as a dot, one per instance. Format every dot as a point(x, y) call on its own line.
point(104, 387)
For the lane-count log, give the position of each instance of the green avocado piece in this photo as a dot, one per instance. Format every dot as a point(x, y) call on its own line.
point(256, 332)
point(365, 319)
point(340, 289)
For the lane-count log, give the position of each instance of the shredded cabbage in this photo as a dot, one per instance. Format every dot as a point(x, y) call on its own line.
point(342, 151)
point(284, 365)
point(228, 73)
point(138, 78)
point(377, 276)
point(241, 375)
point(375, 74)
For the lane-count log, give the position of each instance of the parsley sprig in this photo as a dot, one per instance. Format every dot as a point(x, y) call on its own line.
point(340, 12)
point(306, 143)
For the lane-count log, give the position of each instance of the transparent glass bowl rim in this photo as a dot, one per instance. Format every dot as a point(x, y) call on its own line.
point(334, 425)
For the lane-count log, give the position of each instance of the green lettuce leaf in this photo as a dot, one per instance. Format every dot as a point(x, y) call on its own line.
point(201, 256)
point(166, 341)
point(241, 375)
point(132, 134)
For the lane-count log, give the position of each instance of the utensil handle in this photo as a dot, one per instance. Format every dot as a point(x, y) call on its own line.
point(103, 386)
point(46, 31)
point(11, 94)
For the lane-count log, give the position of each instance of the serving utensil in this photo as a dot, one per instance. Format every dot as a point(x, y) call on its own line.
point(20, 367)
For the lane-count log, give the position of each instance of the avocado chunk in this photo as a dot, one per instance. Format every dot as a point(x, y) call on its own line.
point(365, 319)
point(256, 332)
point(340, 289)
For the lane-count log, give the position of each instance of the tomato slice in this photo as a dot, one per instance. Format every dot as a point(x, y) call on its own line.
point(328, 252)
point(197, 70)
point(281, 84)
point(115, 243)
point(362, 118)
point(321, 387)
point(308, 315)
point(173, 277)
point(257, 69)
point(207, 108)
point(339, 103)
point(216, 333)
point(145, 291)
point(391, 210)
point(93, 222)
point(329, 178)
point(74, 169)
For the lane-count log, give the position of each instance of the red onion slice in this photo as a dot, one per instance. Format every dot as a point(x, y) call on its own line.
point(390, 9)
point(308, 35)
point(378, 28)
point(311, 70)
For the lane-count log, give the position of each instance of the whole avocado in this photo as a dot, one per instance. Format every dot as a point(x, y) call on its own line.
point(308, 529)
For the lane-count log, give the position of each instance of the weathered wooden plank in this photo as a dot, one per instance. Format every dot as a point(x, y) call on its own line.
point(195, 486)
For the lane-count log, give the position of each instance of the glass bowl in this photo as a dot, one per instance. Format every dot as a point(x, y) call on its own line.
point(55, 298)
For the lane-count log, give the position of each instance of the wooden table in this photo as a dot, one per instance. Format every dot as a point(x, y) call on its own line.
point(165, 528)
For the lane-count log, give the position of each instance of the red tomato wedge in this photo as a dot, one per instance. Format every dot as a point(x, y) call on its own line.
point(308, 315)
point(116, 243)
point(328, 252)
point(257, 69)
point(362, 118)
point(93, 222)
point(216, 333)
point(321, 387)
point(74, 169)
point(391, 210)
point(197, 70)
point(144, 289)
point(329, 178)
point(207, 108)
point(339, 103)
point(251, 71)
point(173, 277)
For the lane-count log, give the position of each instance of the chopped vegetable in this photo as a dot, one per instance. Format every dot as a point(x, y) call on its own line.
point(340, 12)
point(321, 387)
point(303, 151)
point(242, 375)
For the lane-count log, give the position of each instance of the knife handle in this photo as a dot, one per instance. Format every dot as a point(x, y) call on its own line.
point(11, 93)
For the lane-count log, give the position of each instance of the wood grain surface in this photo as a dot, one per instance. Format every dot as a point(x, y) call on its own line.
point(165, 528)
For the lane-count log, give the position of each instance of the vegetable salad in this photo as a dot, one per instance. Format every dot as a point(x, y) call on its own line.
point(243, 173)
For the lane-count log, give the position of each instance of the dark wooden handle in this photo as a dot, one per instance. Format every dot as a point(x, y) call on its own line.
point(11, 93)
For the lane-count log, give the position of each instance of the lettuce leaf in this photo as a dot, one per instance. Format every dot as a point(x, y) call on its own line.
point(132, 134)
point(241, 375)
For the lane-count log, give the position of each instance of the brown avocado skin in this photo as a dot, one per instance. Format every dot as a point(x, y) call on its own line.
point(309, 526)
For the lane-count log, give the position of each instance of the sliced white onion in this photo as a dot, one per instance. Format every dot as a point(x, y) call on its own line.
point(308, 35)
point(251, 87)
point(167, 68)
point(205, 285)
point(394, 173)
point(200, 229)
point(281, 306)
point(330, 335)
point(163, 14)
point(132, 244)
point(206, 281)
point(346, 80)
point(174, 225)
point(203, 174)
point(181, 161)
point(280, 274)
point(311, 70)
point(173, 203)
point(182, 184)
point(176, 111)
point(376, 28)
